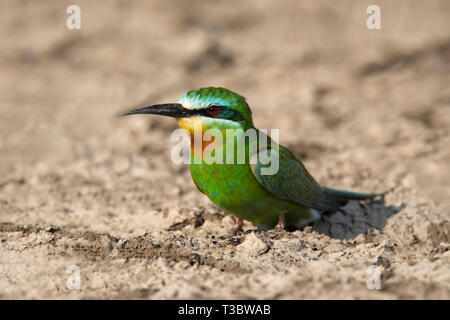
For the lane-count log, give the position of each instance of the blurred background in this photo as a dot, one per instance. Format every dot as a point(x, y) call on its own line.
point(365, 109)
point(312, 69)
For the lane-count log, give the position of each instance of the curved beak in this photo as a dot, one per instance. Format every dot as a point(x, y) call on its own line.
point(174, 110)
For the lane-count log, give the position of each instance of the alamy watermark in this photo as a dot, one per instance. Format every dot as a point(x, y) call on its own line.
point(73, 282)
point(74, 20)
point(374, 20)
point(374, 279)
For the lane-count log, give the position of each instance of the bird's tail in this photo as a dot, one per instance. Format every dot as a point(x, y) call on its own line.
point(342, 196)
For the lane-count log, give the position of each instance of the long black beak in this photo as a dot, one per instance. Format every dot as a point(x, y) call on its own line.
point(174, 110)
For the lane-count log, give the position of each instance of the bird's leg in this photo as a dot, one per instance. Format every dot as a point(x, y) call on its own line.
point(281, 222)
point(238, 227)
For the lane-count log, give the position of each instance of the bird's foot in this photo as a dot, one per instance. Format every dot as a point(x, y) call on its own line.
point(238, 228)
point(281, 222)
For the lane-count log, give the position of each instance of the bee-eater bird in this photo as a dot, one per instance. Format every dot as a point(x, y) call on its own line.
point(290, 197)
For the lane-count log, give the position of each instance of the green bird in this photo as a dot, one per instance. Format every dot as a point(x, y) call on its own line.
point(289, 197)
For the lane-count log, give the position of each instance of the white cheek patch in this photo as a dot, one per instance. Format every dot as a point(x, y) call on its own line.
point(187, 105)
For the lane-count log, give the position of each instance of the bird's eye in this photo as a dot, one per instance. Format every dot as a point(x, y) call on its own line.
point(214, 109)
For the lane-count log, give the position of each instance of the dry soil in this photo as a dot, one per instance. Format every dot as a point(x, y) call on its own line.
point(365, 110)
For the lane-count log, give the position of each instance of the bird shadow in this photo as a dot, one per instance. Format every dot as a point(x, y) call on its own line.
point(355, 218)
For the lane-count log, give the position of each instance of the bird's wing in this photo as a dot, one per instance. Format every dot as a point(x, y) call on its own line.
point(294, 183)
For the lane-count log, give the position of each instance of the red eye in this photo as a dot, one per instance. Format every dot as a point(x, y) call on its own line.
point(213, 109)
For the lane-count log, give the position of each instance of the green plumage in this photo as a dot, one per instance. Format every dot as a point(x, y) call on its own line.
point(236, 189)
point(242, 189)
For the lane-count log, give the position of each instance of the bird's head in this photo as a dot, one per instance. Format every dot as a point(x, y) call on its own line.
point(212, 108)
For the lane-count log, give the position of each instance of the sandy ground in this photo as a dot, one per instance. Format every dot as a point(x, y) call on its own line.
point(365, 110)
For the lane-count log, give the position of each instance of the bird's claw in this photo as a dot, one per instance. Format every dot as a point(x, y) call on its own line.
point(281, 222)
point(238, 228)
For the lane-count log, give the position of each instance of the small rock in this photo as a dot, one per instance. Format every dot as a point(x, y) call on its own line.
point(253, 246)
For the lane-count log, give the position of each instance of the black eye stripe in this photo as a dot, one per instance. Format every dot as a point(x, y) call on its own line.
point(215, 109)
point(222, 113)
point(208, 111)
